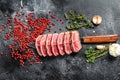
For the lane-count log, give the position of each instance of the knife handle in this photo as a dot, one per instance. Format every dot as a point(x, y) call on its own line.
point(100, 39)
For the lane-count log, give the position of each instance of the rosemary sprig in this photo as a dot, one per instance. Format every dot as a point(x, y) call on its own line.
point(77, 21)
point(92, 54)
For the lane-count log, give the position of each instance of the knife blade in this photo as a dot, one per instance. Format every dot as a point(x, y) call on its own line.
point(100, 39)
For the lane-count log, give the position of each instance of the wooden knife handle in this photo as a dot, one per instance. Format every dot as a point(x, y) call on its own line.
point(100, 39)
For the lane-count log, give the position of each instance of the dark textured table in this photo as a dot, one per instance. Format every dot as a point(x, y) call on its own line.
point(68, 67)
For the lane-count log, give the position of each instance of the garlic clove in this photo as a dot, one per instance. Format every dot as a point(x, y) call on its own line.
point(100, 47)
point(97, 19)
point(114, 50)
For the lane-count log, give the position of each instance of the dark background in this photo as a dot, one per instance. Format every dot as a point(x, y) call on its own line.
point(68, 67)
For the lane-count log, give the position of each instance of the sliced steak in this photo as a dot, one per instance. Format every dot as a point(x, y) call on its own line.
point(43, 45)
point(37, 44)
point(76, 43)
point(67, 43)
point(48, 44)
point(60, 43)
point(54, 44)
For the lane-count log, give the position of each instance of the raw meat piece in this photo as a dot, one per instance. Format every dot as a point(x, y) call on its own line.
point(76, 44)
point(37, 44)
point(54, 44)
point(60, 43)
point(43, 45)
point(67, 43)
point(48, 44)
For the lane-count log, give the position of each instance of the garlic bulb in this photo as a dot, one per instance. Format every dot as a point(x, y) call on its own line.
point(100, 47)
point(97, 19)
point(114, 50)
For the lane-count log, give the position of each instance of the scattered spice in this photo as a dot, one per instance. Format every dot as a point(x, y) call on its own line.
point(62, 22)
point(50, 12)
point(60, 29)
point(1, 53)
point(25, 34)
point(55, 31)
point(53, 17)
point(60, 19)
point(46, 15)
point(53, 24)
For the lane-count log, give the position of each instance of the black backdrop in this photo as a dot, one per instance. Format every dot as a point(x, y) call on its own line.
point(68, 67)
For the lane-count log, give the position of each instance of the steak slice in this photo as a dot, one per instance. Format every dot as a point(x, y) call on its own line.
point(67, 43)
point(48, 44)
point(37, 44)
point(43, 45)
point(60, 43)
point(54, 44)
point(76, 43)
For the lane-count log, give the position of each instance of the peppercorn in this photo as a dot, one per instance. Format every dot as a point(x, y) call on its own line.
point(55, 31)
point(20, 50)
point(53, 24)
point(60, 29)
point(60, 19)
point(53, 17)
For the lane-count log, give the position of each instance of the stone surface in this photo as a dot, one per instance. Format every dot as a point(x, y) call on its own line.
point(68, 67)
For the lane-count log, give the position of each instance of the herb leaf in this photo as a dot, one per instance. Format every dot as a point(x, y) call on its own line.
point(92, 54)
point(77, 21)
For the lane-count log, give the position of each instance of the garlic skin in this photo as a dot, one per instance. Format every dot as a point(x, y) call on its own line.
point(100, 47)
point(114, 50)
point(97, 19)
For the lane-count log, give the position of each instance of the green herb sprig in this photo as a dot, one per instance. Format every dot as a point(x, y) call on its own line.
point(77, 21)
point(92, 54)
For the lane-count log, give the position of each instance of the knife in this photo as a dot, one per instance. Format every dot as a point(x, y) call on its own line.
point(95, 39)
point(100, 39)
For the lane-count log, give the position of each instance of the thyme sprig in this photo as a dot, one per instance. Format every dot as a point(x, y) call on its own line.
point(92, 54)
point(77, 21)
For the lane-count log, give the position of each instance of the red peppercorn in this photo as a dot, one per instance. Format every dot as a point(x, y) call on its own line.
point(22, 7)
point(22, 38)
point(53, 17)
point(1, 53)
point(60, 29)
point(50, 12)
point(54, 31)
point(46, 15)
point(60, 19)
point(53, 24)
